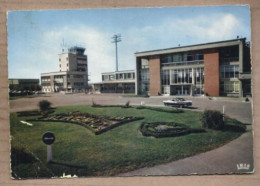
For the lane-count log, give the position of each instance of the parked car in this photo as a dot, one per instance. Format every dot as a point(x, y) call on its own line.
point(178, 102)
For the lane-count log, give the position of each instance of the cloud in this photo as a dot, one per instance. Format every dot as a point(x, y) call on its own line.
point(186, 31)
point(212, 28)
point(99, 49)
point(41, 54)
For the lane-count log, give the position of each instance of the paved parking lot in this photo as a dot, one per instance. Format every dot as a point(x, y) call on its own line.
point(234, 107)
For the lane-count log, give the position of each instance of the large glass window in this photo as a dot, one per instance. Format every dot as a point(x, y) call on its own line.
point(165, 77)
point(229, 86)
point(229, 71)
point(229, 54)
point(180, 76)
point(144, 81)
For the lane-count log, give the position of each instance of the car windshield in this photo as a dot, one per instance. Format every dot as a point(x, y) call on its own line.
point(181, 99)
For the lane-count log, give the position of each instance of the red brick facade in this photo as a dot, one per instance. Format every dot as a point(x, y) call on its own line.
point(211, 73)
point(155, 75)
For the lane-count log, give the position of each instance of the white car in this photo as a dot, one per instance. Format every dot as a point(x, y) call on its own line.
point(178, 102)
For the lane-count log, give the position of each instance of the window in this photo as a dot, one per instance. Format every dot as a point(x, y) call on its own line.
point(144, 63)
point(199, 56)
point(229, 86)
point(78, 84)
point(190, 57)
point(111, 77)
point(119, 76)
point(229, 71)
point(78, 76)
point(67, 58)
point(165, 77)
point(128, 76)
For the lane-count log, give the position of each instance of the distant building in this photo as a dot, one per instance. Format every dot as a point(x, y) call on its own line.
point(24, 84)
point(214, 69)
point(73, 74)
point(116, 82)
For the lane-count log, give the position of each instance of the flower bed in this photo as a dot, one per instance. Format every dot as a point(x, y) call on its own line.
point(163, 129)
point(97, 124)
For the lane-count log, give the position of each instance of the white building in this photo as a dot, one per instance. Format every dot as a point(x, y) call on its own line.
point(116, 82)
point(73, 74)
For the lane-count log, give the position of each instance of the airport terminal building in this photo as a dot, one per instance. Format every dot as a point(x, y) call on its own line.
point(116, 82)
point(72, 75)
point(215, 69)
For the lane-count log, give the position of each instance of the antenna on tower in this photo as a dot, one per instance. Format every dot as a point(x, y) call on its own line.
point(63, 45)
point(116, 38)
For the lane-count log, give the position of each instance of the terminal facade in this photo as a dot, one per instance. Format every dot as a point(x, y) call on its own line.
point(73, 74)
point(116, 82)
point(213, 69)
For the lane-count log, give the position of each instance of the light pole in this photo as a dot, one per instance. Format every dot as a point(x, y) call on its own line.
point(116, 38)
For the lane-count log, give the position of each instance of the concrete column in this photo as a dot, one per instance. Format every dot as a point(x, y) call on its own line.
point(136, 77)
point(193, 76)
point(241, 57)
point(240, 89)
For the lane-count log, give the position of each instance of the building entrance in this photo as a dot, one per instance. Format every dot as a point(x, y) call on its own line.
point(180, 89)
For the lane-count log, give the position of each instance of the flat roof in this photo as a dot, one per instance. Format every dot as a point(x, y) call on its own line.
point(23, 79)
point(113, 82)
point(191, 47)
point(64, 72)
point(115, 72)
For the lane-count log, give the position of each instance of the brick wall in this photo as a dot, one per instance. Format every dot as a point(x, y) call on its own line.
point(211, 73)
point(155, 77)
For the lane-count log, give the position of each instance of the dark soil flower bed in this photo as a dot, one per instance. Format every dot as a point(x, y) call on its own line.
point(97, 124)
point(163, 129)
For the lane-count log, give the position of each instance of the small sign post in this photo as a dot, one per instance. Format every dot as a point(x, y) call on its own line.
point(48, 138)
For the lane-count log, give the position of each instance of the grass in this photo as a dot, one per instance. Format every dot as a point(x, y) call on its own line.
point(78, 151)
point(133, 95)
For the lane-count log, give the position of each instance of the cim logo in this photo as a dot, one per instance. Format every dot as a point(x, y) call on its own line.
point(243, 166)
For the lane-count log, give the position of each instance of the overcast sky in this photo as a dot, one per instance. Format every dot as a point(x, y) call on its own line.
point(35, 37)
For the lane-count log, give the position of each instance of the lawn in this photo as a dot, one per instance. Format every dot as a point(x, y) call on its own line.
point(78, 151)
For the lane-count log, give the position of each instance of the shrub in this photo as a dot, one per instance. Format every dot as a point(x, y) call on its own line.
point(127, 105)
point(212, 119)
point(44, 105)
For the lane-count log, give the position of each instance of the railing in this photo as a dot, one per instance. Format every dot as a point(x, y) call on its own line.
point(183, 63)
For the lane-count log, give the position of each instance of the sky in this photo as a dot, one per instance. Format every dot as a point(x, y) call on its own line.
point(35, 37)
